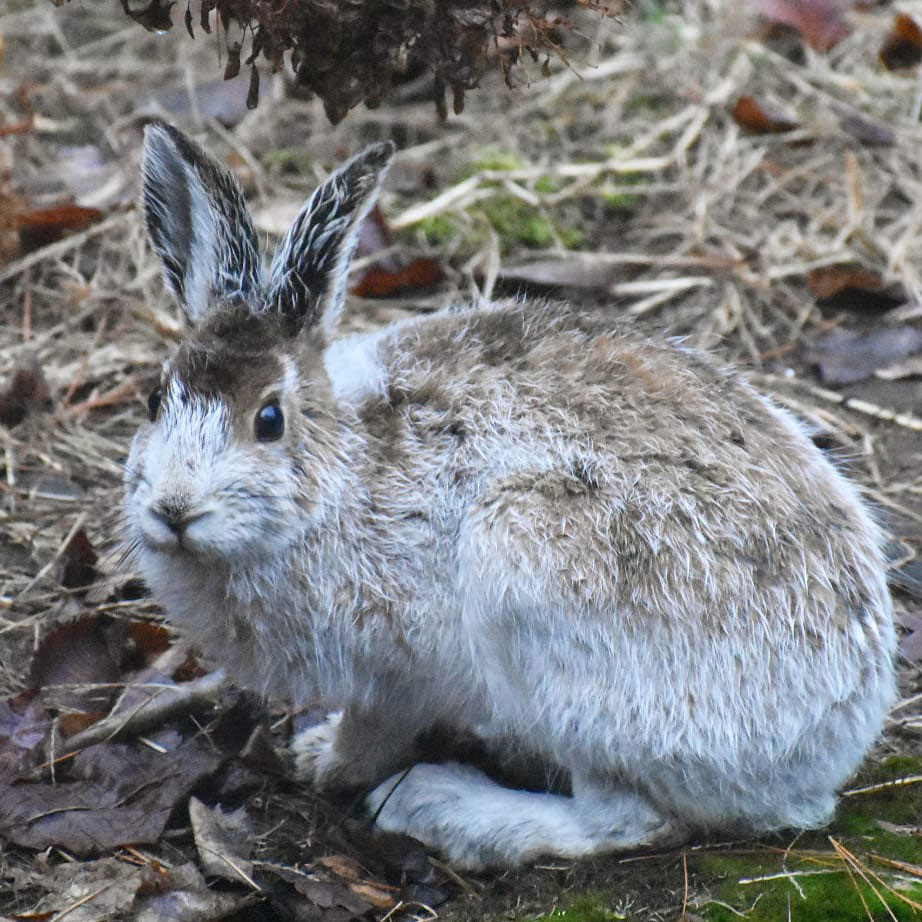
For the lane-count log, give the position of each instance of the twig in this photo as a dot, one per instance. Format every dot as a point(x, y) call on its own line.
point(883, 786)
point(151, 712)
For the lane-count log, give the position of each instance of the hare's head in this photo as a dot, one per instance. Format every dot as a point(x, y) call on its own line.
point(242, 445)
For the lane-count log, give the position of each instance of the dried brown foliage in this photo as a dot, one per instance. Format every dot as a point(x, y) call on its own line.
point(354, 51)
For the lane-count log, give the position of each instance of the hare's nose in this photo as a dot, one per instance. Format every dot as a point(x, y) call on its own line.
point(176, 515)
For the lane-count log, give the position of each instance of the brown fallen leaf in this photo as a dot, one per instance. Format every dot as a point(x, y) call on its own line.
point(75, 666)
point(125, 796)
point(85, 891)
point(820, 23)
point(41, 226)
point(422, 273)
point(78, 562)
point(181, 893)
point(23, 126)
point(381, 896)
point(760, 117)
point(851, 287)
point(26, 392)
point(24, 725)
point(343, 866)
point(903, 45)
point(331, 895)
point(224, 841)
point(846, 356)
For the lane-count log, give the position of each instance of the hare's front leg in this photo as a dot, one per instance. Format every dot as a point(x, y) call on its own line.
point(355, 747)
point(476, 823)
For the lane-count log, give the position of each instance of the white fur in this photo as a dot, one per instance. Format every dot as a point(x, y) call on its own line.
point(575, 542)
point(355, 368)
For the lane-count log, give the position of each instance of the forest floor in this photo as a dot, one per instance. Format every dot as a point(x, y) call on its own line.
point(782, 233)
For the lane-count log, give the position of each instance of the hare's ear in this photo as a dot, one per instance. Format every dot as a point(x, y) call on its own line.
point(307, 284)
point(198, 223)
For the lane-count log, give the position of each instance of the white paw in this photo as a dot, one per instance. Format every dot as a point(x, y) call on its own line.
point(452, 808)
point(316, 761)
point(476, 823)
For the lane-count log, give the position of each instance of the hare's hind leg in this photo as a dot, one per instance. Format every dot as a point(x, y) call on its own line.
point(477, 823)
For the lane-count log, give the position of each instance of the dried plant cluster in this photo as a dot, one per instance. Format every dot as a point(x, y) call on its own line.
point(354, 51)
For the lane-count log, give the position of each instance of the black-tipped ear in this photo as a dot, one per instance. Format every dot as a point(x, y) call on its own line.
point(307, 283)
point(198, 223)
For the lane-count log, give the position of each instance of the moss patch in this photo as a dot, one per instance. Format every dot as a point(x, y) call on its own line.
point(589, 908)
point(814, 886)
point(880, 824)
point(439, 229)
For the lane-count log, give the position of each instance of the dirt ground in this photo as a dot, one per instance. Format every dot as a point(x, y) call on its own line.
point(619, 174)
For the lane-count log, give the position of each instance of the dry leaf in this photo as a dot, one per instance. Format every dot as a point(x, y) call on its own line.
point(761, 117)
point(903, 45)
point(342, 865)
point(41, 226)
point(128, 800)
point(24, 724)
point(389, 275)
point(851, 287)
point(867, 132)
point(86, 891)
point(379, 895)
point(26, 392)
point(78, 562)
point(72, 660)
point(422, 273)
point(821, 23)
point(223, 840)
point(844, 357)
point(182, 895)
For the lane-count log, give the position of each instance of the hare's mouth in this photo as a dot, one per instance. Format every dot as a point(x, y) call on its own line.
point(167, 529)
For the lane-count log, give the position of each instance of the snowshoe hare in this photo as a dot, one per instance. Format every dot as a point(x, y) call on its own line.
point(520, 521)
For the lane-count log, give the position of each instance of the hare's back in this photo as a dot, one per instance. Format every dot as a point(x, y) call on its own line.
point(625, 465)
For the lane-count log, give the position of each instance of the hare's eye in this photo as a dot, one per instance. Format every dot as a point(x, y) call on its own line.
point(153, 403)
point(270, 422)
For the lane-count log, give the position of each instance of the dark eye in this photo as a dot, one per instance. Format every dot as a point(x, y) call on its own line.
point(270, 422)
point(153, 403)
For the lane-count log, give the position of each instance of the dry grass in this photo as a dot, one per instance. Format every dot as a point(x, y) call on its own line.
point(696, 228)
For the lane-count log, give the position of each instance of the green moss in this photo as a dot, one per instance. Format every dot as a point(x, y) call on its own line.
point(439, 228)
point(648, 102)
point(571, 237)
point(900, 804)
point(652, 11)
point(822, 891)
point(616, 198)
point(287, 160)
point(833, 896)
point(547, 185)
point(518, 222)
point(494, 158)
point(589, 908)
point(898, 767)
